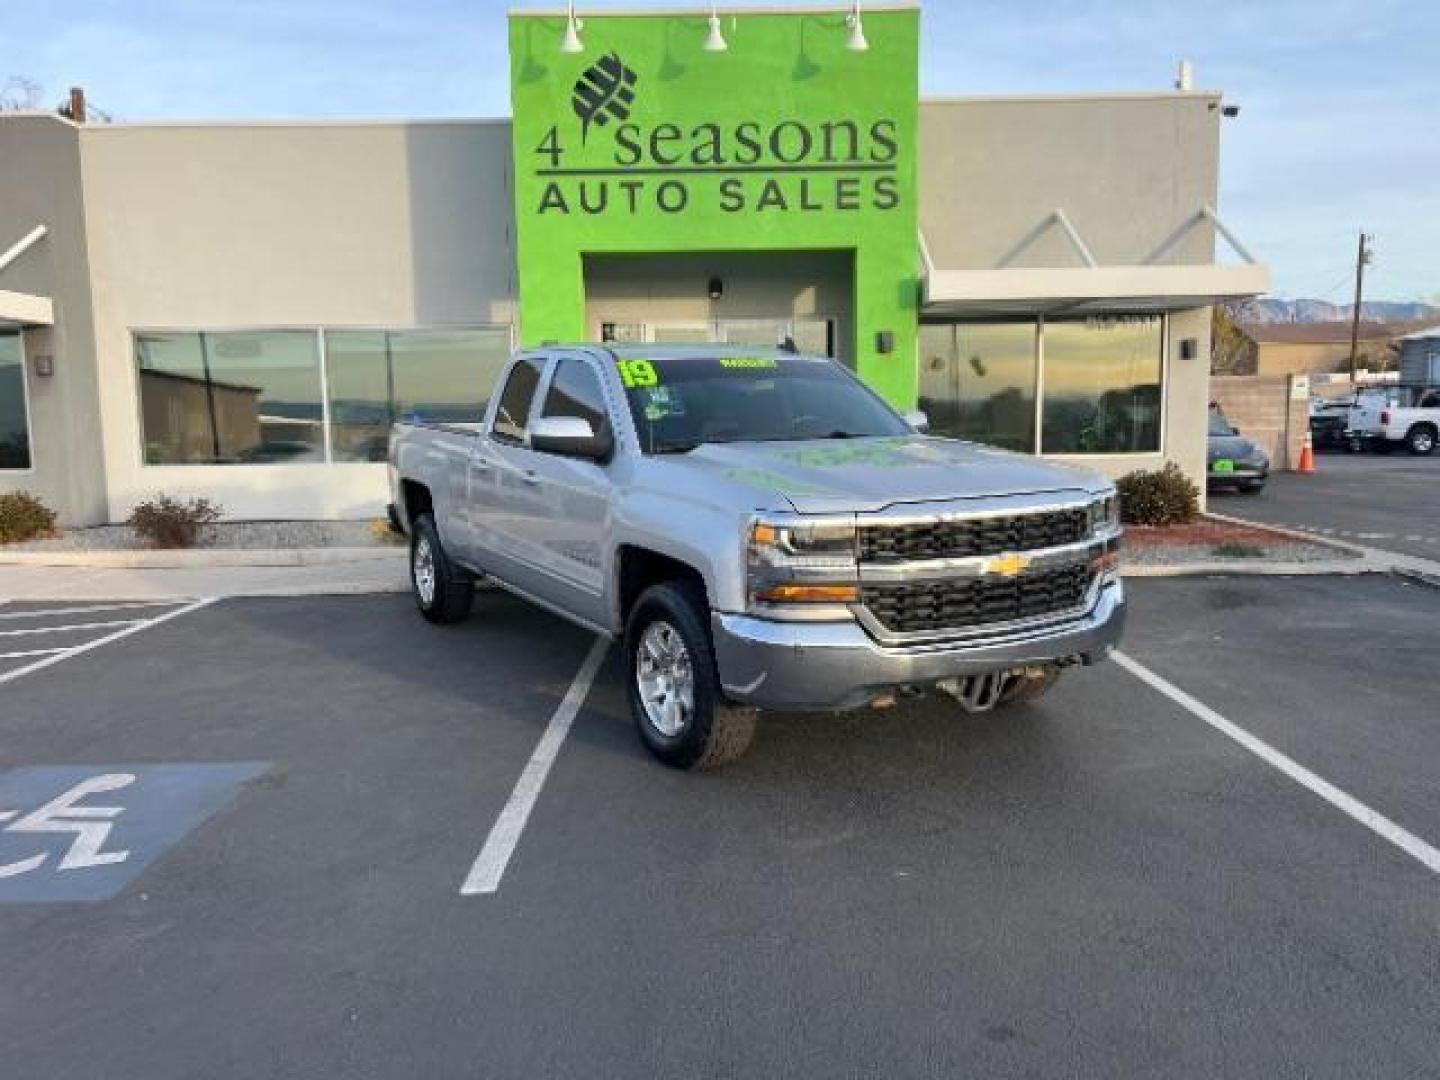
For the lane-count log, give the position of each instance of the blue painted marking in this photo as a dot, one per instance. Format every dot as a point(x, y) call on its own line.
point(84, 832)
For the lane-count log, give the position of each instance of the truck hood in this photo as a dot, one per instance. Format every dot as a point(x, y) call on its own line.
point(819, 476)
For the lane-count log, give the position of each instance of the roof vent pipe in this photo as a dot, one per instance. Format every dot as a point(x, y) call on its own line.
point(1185, 77)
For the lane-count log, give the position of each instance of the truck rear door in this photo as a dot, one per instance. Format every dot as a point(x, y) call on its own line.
point(504, 490)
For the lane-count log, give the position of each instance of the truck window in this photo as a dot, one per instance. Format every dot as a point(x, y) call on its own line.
point(575, 391)
point(513, 412)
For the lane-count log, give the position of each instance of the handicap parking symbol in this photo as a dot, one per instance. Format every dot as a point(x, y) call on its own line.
point(84, 832)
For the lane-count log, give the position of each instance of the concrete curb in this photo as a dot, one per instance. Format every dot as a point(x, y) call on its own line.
point(1299, 534)
point(201, 558)
point(1411, 567)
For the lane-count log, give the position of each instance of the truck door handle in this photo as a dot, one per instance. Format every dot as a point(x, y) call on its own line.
point(530, 476)
point(479, 465)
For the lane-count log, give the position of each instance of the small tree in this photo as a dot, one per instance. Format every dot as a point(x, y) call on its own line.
point(20, 94)
point(1232, 351)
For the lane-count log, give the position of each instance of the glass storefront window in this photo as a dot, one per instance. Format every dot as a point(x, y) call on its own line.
point(233, 398)
point(378, 376)
point(1102, 385)
point(977, 382)
point(14, 424)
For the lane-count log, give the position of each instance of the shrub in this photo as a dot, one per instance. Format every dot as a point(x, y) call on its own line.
point(24, 517)
point(1158, 497)
point(164, 522)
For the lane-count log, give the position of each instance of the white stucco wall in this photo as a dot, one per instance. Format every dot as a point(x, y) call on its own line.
point(286, 225)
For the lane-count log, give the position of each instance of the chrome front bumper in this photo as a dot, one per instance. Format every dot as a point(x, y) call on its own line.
point(837, 665)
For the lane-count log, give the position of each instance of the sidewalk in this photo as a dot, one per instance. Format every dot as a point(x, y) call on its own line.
point(377, 571)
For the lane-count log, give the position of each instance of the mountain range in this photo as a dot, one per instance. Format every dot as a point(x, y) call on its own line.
point(1315, 311)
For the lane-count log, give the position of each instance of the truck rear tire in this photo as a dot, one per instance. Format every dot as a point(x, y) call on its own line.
point(672, 684)
point(443, 591)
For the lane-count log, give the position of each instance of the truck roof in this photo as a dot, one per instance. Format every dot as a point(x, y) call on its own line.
point(676, 350)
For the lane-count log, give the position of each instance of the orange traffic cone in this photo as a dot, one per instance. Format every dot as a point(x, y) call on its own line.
point(1307, 456)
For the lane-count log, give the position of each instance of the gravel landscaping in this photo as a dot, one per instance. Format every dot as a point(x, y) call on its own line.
point(233, 535)
point(1209, 541)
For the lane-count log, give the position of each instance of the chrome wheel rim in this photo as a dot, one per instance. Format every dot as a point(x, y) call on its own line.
point(665, 677)
point(1423, 442)
point(424, 571)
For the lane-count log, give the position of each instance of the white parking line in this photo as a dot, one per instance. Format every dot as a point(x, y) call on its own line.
point(489, 868)
point(42, 613)
point(71, 626)
point(1373, 820)
point(30, 652)
point(134, 627)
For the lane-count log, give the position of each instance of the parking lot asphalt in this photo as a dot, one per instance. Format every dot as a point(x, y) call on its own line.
point(1385, 501)
point(1100, 884)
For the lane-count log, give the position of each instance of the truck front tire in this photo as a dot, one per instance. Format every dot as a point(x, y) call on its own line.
point(443, 592)
point(1420, 440)
point(672, 685)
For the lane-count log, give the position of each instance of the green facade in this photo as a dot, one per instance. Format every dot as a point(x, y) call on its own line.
point(645, 143)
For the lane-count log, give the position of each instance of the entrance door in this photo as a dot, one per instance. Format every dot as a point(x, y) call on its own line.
point(812, 335)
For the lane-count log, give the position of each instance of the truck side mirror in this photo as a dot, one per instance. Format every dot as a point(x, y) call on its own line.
point(571, 436)
point(917, 420)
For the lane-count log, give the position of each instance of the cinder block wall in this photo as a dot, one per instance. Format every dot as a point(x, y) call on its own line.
point(1266, 410)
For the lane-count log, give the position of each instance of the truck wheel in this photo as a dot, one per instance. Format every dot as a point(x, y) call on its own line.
point(673, 687)
point(1420, 439)
point(443, 591)
point(1033, 684)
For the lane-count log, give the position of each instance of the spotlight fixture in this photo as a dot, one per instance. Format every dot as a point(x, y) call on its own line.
point(716, 288)
point(856, 42)
point(715, 40)
point(571, 42)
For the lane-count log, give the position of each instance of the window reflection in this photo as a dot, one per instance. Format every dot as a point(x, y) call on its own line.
point(977, 382)
point(1102, 386)
point(246, 397)
point(14, 429)
point(379, 376)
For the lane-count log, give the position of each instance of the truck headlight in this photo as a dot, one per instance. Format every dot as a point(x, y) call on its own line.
point(1105, 514)
point(803, 563)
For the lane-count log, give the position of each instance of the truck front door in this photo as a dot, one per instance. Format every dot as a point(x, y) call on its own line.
point(571, 532)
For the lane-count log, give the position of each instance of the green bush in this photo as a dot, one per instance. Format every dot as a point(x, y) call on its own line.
point(164, 522)
point(24, 517)
point(1158, 497)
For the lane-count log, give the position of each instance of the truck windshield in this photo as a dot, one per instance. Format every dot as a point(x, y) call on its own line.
point(681, 402)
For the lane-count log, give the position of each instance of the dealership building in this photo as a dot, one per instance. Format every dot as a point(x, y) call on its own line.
point(240, 310)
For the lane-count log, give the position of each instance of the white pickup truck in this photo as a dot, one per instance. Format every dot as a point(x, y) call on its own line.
point(762, 531)
point(1395, 416)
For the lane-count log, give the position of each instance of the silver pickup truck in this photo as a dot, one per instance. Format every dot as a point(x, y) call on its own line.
point(763, 532)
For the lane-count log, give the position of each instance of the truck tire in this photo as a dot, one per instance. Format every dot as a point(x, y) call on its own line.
point(1420, 440)
point(1035, 683)
point(672, 684)
point(443, 591)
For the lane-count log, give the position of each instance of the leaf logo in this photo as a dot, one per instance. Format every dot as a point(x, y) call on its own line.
point(604, 91)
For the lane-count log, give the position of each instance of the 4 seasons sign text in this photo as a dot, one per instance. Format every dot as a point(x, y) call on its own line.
point(831, 164)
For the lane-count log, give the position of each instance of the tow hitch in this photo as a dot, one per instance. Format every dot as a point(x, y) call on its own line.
point(980, 693)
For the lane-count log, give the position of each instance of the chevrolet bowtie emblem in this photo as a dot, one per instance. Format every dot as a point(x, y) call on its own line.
point(1008, 565)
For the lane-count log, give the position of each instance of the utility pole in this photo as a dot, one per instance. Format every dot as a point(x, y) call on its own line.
point(1362, 256)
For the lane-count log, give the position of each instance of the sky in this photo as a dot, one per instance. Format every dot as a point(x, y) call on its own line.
point(1339, 128)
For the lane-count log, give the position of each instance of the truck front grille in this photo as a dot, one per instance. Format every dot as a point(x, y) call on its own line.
point(975, 536)
point(956, 603)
